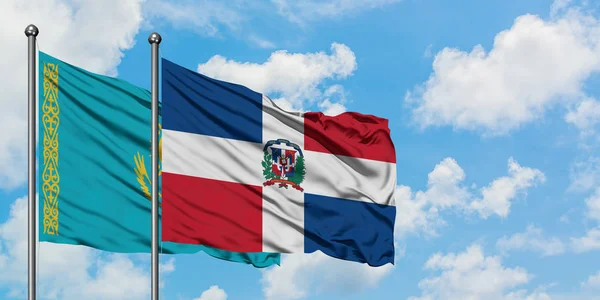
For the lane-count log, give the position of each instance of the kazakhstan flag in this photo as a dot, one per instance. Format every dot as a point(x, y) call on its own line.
point(95, 167)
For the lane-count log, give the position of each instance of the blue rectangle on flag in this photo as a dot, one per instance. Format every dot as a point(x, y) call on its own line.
point(202, 105)
point(353, 230)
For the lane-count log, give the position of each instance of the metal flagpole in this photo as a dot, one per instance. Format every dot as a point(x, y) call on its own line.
point(154, 39)
point(31, 32)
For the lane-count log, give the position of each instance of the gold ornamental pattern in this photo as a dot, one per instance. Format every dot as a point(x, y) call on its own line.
point(142, 173)
point(50, 120)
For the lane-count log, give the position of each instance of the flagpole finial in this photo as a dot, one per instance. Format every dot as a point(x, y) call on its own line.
point(31, 30)
point(154, 38)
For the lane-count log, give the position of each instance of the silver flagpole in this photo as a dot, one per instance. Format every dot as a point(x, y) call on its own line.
point(31, 32)
point(154, 39)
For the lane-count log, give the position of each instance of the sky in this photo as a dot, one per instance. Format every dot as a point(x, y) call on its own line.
point(493, 108)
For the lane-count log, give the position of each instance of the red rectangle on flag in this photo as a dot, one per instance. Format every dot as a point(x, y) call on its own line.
point(213, 213)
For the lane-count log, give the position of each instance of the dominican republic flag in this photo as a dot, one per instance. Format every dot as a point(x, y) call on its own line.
point(241, 174)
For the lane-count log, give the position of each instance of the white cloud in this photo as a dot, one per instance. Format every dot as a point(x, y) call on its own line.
point(301, 11)
point(496, 197)
point(532, 66)
point(70, 30)
point(593, 282)
point(331, 109)
point(415, 214)
point(472, 275)
point(209, 18)
point(585, 116)
point(83, 273)
point(202, 16)
point(213, 293)
point(532, 240)
point(525, 295)
point(559, 6)
point(587, 243)
point(591, 241)
point(296, 78)
point(117, 278)
point(167, 267)
point(420, 211)
point(303, 274)
point(428, 52)
point(593, 206)
point(585, 174)
point(260, 42)
point(334, 101)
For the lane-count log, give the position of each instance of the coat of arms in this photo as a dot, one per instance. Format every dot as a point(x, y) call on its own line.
point(283, 164)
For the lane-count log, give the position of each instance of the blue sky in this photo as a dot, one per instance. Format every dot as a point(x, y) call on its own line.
point(493, 110)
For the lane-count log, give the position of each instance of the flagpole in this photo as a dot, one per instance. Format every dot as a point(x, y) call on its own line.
point(31, 32)
point(154, 39)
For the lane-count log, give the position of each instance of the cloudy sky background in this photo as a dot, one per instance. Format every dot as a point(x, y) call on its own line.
point(493, 106)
